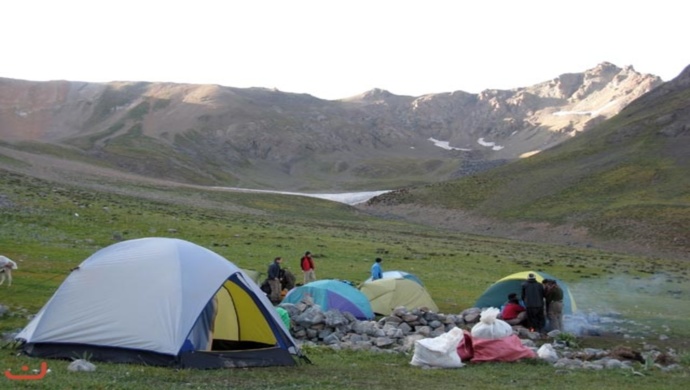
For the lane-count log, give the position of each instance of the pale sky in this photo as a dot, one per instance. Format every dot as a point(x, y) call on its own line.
point(334, 49)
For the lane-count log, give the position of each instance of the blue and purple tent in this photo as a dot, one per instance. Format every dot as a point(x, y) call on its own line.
point(333, 294)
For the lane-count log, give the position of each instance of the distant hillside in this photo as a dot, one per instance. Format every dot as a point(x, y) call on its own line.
point(624, 184)
point(266, 139)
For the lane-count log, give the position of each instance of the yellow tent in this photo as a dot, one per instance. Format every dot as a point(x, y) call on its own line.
point(387, 294)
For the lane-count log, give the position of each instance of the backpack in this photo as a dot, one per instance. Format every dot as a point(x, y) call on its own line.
point(265, 287)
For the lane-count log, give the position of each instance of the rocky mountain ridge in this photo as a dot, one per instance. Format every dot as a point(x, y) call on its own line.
point(260, 138)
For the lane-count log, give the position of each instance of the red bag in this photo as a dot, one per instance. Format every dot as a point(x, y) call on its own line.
point(507, 349)
point(465, 348)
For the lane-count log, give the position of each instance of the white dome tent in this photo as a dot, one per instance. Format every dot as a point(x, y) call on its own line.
point(160, 301)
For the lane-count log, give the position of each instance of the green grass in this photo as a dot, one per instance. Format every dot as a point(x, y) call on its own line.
point(352, 370)
point(50, 228)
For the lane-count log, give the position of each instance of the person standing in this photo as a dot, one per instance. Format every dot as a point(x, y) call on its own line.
point(307, 264)
point(376, 271)
point(274, 280)
point(533, 296)
point(554, 305)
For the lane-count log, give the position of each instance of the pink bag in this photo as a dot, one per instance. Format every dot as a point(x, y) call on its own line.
point(507, 349)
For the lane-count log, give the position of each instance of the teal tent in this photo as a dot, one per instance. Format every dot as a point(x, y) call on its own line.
point(497, 294)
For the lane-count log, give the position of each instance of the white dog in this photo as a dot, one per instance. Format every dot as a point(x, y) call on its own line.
point(6, 267)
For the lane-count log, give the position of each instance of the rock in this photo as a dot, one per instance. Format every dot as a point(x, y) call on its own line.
point(528, 343)
point(350, 317)
point(592, 366)
point(435, 324)
point(334, 318)
point(392, 320)
point(324, 333)
point(313, 315)
point(408, 342)
point(365, 327)
point(471, 318)
point(405, 328)
point(613, 363)
point(431, 317)
point(383, 342)
point(312, 334)
point(423, 330)
point(568, 363)
point(331, 339)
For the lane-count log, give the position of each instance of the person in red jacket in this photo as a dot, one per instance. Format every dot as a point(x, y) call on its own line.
point(307, 264)
point(513, 313)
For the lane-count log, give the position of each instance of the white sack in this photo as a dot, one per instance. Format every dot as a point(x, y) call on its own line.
point(547, 353)
point(490, 327)
point(439, 351)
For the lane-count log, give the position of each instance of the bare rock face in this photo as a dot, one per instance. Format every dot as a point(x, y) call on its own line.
point(270, 139)
point(527, 120)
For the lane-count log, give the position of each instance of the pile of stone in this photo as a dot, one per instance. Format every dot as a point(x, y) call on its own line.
point(397, 333)
point(394, 333)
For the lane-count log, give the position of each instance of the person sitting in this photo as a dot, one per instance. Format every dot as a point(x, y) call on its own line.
point(513, 313)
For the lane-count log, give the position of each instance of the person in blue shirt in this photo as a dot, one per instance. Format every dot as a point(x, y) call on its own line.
point(376, 271)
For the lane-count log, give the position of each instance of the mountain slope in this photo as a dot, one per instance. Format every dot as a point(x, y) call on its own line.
point(259, 138)
point(624, 181)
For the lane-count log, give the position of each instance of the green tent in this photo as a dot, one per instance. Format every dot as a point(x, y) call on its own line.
point(497, 294)
point(387, 294)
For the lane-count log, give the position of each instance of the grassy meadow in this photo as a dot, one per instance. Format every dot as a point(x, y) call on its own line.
point(50, 228)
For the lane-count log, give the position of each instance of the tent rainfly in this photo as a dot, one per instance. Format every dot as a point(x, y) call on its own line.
point(160, 301)
point(398, 275)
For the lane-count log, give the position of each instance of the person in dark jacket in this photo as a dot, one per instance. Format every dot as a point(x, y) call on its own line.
point(533, 296)
point(274, 280)
point(554, 304)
